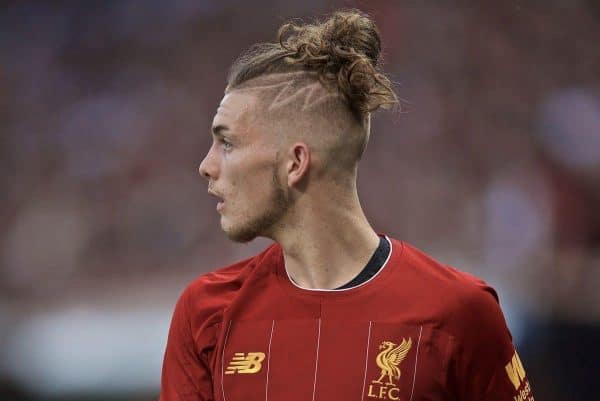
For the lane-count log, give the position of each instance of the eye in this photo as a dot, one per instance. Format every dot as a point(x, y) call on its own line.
point(226, 144)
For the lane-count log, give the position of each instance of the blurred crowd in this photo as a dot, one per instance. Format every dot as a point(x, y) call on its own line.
point(492, 164)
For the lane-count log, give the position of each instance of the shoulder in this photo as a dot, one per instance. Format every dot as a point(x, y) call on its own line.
point(436, 273)
point(468, 309)
point(209, 294)
point(462, 297)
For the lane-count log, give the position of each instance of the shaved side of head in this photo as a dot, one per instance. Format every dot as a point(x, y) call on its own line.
point(318, 84)
point(298, 106)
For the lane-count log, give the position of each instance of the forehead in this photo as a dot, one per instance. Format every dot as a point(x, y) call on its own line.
point(235, 110)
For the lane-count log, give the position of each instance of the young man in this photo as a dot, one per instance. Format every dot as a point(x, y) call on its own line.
point(332, 311)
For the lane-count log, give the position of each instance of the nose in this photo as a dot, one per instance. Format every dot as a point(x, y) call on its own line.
point(209, 167)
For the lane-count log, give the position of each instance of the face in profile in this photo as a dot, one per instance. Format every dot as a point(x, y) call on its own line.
point(242, 171)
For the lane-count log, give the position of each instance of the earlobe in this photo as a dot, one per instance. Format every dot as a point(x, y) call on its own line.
point(298, 164)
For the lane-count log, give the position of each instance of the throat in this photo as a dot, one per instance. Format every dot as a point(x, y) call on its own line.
point(375, 264)
point(339, 270)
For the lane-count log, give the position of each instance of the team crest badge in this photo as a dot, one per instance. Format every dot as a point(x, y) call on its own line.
point(388, 360)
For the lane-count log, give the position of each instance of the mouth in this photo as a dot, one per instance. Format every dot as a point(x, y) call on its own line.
point(221, 202)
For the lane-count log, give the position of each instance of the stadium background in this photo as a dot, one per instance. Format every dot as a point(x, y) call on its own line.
point(494, 167)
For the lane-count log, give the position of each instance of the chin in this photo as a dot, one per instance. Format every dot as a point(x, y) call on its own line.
point(242, 236)
point(239, 233)
point(248, 227)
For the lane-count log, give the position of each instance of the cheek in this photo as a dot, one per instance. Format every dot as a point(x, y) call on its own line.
point(254, 191)
point(250, 183)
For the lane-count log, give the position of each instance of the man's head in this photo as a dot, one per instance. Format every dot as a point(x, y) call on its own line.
point(294, 121)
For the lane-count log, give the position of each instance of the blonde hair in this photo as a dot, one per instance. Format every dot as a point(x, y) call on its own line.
point(343, 53)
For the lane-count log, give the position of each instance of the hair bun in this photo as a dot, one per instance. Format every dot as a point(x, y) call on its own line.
point(344, 49)
point(352, 31)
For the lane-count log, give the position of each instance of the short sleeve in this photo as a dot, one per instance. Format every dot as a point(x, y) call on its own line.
point(185, 374)
point(488, 367)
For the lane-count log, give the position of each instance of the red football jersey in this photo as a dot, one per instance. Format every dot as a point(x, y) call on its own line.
point(417, 330)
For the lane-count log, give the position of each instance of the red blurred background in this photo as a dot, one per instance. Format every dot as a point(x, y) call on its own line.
point(493, 166)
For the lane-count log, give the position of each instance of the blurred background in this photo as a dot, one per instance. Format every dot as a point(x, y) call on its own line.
point(105, 107)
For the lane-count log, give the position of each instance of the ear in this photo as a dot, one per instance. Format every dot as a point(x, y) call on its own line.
point(298, 163)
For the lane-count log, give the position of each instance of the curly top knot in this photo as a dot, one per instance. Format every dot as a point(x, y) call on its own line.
point(346, 36)
point(344, 51)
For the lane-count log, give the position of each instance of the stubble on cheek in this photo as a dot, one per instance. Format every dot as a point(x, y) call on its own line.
point(257, 218)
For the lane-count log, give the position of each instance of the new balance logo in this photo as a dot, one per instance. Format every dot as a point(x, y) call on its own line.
point(515, 371)
point(245, 363)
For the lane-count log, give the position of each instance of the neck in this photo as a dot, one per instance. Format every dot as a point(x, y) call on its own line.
point(328, 243)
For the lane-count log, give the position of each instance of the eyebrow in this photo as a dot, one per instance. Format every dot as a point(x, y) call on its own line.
point(217, 130)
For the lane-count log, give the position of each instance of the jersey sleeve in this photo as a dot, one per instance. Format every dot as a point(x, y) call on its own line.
point(488, 366)
point(185, 373)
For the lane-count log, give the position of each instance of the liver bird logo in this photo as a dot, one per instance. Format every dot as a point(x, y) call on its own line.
point(389, 359)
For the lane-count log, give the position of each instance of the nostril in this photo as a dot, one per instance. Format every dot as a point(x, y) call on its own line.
point(202, 169)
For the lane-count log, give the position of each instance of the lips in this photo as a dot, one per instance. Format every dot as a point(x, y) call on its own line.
point(214, 193)
point(221, 202)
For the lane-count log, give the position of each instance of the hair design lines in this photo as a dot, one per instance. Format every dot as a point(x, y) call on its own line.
point(343, 51)
point(312, 94)
point(297, 89)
